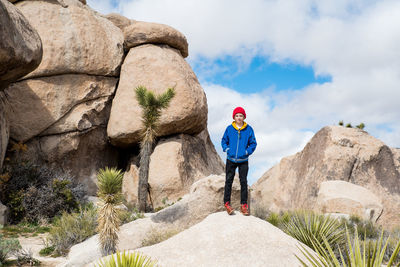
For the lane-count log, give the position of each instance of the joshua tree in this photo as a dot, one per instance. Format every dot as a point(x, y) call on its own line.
point(110, 192)
point(151, 107)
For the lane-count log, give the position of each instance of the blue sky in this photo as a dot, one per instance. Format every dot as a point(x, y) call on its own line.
point(259, 74)
point(295, 66)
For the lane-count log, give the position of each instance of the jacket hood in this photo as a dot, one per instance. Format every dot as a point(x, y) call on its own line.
point(237, 128)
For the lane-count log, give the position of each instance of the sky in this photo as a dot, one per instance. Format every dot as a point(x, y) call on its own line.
point(295, 66)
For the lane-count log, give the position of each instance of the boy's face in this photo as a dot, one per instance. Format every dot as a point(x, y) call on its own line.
point(239, 118)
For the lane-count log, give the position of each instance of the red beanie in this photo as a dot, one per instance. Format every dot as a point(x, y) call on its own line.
point(239, 110)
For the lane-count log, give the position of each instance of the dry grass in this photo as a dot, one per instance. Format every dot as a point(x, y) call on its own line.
point(155, 235)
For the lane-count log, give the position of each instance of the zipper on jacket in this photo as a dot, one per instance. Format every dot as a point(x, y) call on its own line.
point(237, 146)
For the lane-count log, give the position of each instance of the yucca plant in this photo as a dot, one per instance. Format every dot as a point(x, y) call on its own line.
point(364, 254)
point(134, 259)
point(109, 182)
point(151, 112)
point(279, 219)
point(309, 227)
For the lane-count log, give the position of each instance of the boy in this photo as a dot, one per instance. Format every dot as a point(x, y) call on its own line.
point(239, 142)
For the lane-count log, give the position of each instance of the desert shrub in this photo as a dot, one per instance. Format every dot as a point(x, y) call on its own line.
point(365, 228)
point(26, 257)
point(34, 192)
point(47, 250)
point(279, 219)
point(135, 259)
point(127, 216)
point(155, 235)
point(7, 247)
point(361, 126)
point(72, 228)
point(364, 253)
point(309, 227)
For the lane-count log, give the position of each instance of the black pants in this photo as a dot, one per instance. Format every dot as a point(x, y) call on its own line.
point(230, 174)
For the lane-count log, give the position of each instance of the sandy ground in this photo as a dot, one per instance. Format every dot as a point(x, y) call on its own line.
point(35, 244)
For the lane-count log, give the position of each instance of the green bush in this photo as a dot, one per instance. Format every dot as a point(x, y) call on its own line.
point(309, 227)
point(279, 219)
point(71, 229)
point(365, 228)
point(135, 259)
point(7, 247)
point(356, 254)
point(34, 192)
point(127, 216)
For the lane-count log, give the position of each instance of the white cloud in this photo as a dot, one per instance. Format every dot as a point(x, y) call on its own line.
point(354, 41)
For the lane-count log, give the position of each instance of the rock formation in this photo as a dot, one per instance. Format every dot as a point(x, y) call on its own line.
point(20, 53)
point(20, 46)
point(176, 163)
point(61, 109)
point(68, 109)
point(334, 153)
point(347, 198)
point(205, 197)
point(223, 240)
point(75, 39)
point(187, 112)
point(139, 32)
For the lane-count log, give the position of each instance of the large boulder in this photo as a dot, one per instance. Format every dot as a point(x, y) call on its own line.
point(223, 240)
point(205, 197)
point(4, 133)
point(66, 126)
point(189, 159)
point(334, 153)
point(57, 104)
point(187, 112)
point(75, 39)
point(20, 46)
point(79, 153)
point(140, 32)
point(347, 198)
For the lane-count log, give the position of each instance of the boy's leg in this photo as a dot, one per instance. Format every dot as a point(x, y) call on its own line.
point(230, 174)
point(243, 170)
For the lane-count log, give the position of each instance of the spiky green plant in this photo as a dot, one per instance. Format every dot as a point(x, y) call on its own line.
point(364, 254)
point(152, 106)
point(134, 259)
point(309, 227)
point(279, 219)
point(109, 183)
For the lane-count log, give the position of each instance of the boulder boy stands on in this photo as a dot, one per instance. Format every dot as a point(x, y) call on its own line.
point(239, 142)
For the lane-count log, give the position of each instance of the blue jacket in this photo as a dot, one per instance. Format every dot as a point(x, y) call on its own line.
point(239, 143)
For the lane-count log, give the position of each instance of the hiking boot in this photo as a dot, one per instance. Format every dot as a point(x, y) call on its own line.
point(244, 209)
point(228, 207)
